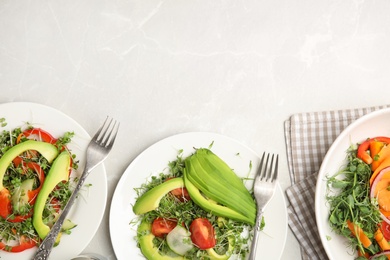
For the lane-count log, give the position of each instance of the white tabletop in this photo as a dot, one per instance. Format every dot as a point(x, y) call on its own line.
point(238, 68)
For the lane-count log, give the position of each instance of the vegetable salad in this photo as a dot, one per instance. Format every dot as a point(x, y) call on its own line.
point(22, 181)
point(204, 235)
point(360, 209)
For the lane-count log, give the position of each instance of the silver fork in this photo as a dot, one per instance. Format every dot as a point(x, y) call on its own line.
point(264, 188)
point(97, 151)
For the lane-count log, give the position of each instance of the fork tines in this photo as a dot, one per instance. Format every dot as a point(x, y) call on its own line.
point(107, 132)
point(269, 171)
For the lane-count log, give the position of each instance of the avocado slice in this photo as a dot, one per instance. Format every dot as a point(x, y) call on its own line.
point(146, 244)
point(210, 205)
point(59, 171)
point(150, 200)
point(217, 181)
point(47, 150)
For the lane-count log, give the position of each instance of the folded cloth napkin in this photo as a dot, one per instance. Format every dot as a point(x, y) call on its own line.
point(308, 138)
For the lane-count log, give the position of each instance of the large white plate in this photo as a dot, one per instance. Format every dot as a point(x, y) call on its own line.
point(374, 124)
point(87, 212)
point(154, 160)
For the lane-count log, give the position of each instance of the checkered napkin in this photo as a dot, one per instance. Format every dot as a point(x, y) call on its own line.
point(308, 137)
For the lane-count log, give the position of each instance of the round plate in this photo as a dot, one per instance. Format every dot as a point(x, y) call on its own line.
point(154, 160)
point(374, 124)
point(87, 212)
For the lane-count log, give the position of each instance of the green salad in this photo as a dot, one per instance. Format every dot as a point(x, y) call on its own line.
point(358, 199)
point(200, 209)
point(34, 185)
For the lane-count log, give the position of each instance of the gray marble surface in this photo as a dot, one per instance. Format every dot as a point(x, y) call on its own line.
point(238, 68)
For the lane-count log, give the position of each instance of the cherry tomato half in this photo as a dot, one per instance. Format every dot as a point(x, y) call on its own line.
point(162, 226)
point(202, 233)
point(385, 228)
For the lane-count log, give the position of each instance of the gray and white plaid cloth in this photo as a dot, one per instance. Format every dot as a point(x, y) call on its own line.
point(308, 138)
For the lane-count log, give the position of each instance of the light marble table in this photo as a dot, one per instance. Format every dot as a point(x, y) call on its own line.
point(238, 68)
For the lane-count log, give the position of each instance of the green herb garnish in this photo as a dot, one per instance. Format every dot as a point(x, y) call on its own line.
point(350, 200)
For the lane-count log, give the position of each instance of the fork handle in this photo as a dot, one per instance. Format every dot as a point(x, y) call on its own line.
point(47, 244)
point(259, 217)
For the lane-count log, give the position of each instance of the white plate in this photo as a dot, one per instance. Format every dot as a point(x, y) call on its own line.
point(87, 212)
point(374, 124)
point(155, 160)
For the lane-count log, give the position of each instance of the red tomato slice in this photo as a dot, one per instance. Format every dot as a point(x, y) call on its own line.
point(41, 134)
point(202, 233)
point(162, 226)
point(25, 243)
point(385, 228)
point(5, 203)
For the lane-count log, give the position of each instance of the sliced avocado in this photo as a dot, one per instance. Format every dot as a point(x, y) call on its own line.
point(211, 206)
point(148, 249)
point(20, 195)
point(47, 150)
point(212, 165)
point(151, 199)
point(217, 181)
point(59, 171)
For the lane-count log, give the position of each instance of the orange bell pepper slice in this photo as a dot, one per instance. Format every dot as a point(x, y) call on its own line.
point(365, 146)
